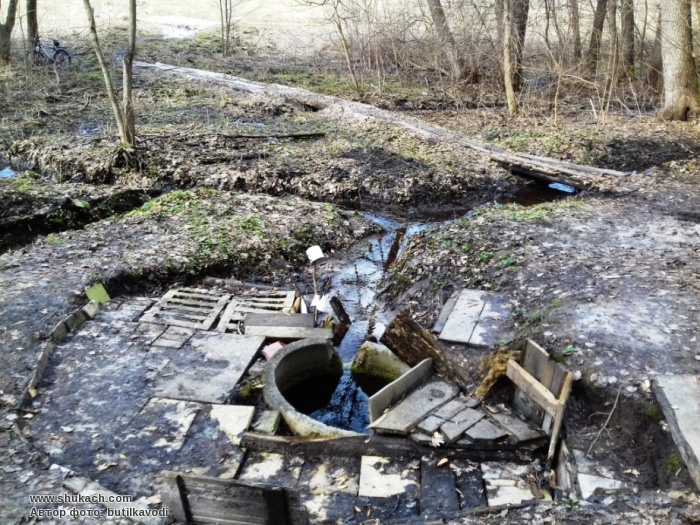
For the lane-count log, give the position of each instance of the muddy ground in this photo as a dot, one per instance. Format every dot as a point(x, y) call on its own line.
point(239, 185)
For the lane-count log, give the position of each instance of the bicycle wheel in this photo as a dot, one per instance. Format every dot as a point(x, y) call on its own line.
point(61, 59)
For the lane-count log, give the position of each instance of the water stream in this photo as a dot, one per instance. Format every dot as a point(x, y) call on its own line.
point(356, 281)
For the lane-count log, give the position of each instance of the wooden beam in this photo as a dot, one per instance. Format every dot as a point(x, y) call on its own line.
point(533, 388)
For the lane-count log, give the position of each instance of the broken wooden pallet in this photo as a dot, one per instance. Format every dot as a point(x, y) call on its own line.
point(187, 307)
point(542, 389)
point(261, 302)
point(402, 418)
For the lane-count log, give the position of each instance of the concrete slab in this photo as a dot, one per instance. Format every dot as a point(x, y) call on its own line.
point(430, 424)
point(233, 420)
point(382, 477)
point(267, 422)
point(464, 316)
point(208, 367)
point(678, 397)
point(506, 483)
point(331, 475)
point(273, 469)
point(173, 419)
point(173, 337)
point(588, 484)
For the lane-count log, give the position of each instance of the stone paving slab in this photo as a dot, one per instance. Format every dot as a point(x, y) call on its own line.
point(383, 477)
point(679, 398)
point(208, 367)
point(506, 483)
point(328, 475)
point(278, 470)
point(233, 420)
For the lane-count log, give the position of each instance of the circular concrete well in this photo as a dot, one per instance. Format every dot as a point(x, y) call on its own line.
point(309, 362)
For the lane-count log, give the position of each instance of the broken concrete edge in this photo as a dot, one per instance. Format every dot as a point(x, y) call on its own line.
point(93, 490)
point(59, 332)
point(300, 358)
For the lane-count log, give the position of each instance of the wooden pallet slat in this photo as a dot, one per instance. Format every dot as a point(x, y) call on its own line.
point(194, 313)
point(264, 302)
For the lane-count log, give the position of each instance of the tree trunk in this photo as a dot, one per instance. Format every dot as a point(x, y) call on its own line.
point(594, 47)
point(129, 138)
point(508, 73)
point(6, 31)
point(627, 21)
point(412, 344)
point(681, 97)
point(576, 28)
point(656, 76)
point(447, 40)
point(32, 22)
point(520, 11)
point(612, 25)
point(109, 85)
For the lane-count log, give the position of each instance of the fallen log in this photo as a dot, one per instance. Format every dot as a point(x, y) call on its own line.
point(531, 166)
point(412, 344)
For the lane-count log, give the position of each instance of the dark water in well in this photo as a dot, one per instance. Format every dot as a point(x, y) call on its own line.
point(343, 403)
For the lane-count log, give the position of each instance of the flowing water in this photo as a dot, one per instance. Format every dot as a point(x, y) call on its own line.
point(343, 403)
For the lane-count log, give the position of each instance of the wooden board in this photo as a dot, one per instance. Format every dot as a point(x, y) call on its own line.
point(543, 388)
point(415, 407)
point(445, 313)
point(288, 333)
point(203, 499)
point(522, 431)
point(464, 316)
point(679, 396)
point(259, 302)
point(399, 388)
point(458, 425)
point(532, 388)
point(187, 308)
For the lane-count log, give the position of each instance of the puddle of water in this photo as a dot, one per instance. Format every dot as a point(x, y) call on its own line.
point(7, 173)
point(538, 193)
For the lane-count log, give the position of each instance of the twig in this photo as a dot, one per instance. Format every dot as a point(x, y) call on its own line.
point(606, 421)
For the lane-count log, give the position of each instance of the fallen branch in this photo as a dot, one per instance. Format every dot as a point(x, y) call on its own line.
point(606, 421)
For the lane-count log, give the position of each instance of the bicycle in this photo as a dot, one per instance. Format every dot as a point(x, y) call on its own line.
point(53, 53)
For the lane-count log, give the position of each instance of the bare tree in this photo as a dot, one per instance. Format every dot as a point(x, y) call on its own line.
point(681, 98)
point(123, 115)
point(6, 30)
point(519, 11)
point(594, 48)
point(226, 13)
point(447, 39)
point(508, 72)
point(32, 21)
point(627, 29)
point(576, 28)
